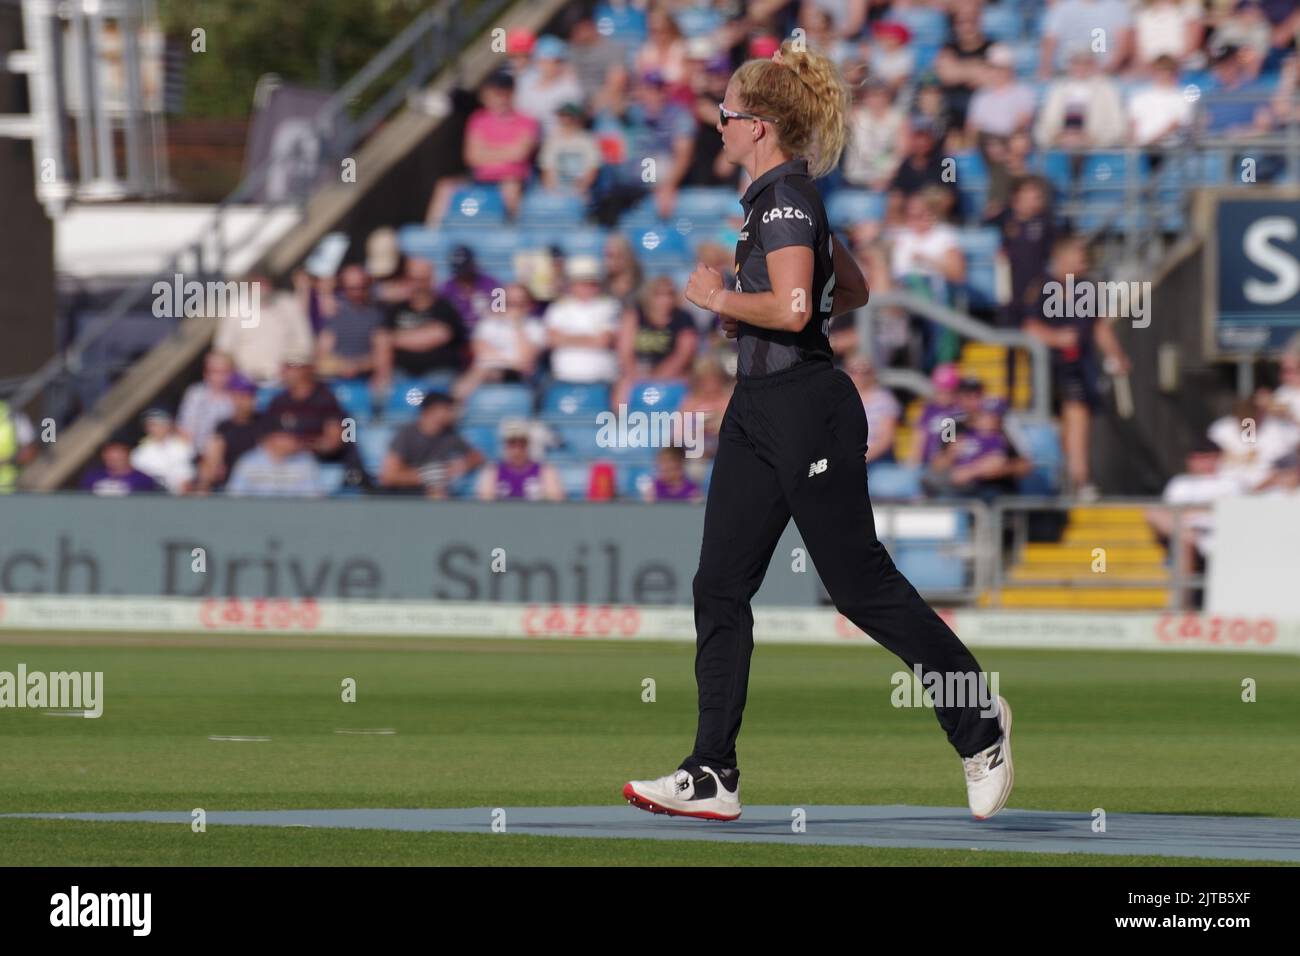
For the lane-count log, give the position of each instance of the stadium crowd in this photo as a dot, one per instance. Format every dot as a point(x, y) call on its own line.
point(959, 108)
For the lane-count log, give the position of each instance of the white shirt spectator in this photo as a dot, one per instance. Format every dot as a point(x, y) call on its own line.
point(282, 329)
point(1073, 22)
point(578, 317)
point(875, 146)
point(496, 331)
point(257, 474)
point(1251, 462)
point(1000, 111)
point(1161, 28)
point(168, 461)
point(540, 101)
point(935, 243)
point(202, 410)
point(1153, 109)
point(1096, 99)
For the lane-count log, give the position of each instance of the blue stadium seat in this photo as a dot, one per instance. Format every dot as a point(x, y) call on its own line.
point(891, 481)
point(422, 242)
point(404, 398)
point(980, 241)
point(354, 396)
point(971, 169)
point(264, 395)
point(660, 240)
point(476, 206)
point(578, 440)
point(848, 207)
point(484, 436)
point(1042, 444)
point(575, 477)
point(587, 241)
point(927, 25)
point(566, 400)
point(930, 566)
point(1001, 23)
point(925, 54)
point(707, 204)
point(656, 395)
point(697, 21)
point(491, 403)
point(1108, 173)
point(1026, 53)
point(632, 478)
point(625, 24)
point(540, 208)
point(331, 477)
point(372, 444)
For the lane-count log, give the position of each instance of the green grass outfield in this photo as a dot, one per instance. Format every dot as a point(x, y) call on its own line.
point(515, 723)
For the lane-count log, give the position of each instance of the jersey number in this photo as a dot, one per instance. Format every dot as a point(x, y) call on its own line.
point(827, 303)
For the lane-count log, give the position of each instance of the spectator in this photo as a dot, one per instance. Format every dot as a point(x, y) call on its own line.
point(708, 396)
point(570, 157)
point(848, 17)
point(506, 344)
point(1288, 393)
point(164, 454)
point(280, 466)
point(876, 138)
point(622, 267)
point(233, 438)
point(1171, 28)
point(1082, 108)
point(115, 476)
point(428, 454)
point(926, 259)
point(581, 327)
point(1254, 440)
point(1246, 27)
point(923, 168)
point(960, 62)
point(17, 446)
point(1159, 112)
point(1069, 23)
point(664, 51)
point(346, 347)
point(709, 167)
point(282, 328)
point(892, 58)
point(548, 84)
point(1002, 105)
point(499, 144)
point(470, 290)
point(1008, 164)
point(1028, 231)
point(1236, 100)
point(1188, 500)
point(937, 425)
point(1074, 340)
point(929, 108)
point(598, 63)
point(388, 280)
point(880, 405)
point(980, 463)
point(652, 130)
point(207, 403)
point(657, 338)
point(671, 482)
point(422, 335)
point(308, 407)
point(518, 475)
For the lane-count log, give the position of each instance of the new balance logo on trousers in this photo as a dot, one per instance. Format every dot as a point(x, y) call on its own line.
point(817, 467)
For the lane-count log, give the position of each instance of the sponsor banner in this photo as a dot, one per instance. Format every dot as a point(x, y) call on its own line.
point(977, 627)
point(1255, 271)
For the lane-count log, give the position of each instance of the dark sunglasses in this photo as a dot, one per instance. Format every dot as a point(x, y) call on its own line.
point(725, 116)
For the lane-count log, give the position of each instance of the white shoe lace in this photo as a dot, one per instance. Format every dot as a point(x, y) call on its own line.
point(976, 767)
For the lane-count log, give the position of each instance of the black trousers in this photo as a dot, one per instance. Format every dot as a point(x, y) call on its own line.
point(792, 444)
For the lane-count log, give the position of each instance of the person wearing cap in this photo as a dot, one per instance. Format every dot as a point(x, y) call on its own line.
point(281, 466)
point(582, 326)
point(163, 454)
point(115, 476)
point(232, 438)
point(309, 408)
point(471, 290)
point(499, 143)
point(208, 402)
point(1082, 109)
point(518, 475)
point(548, 84)
point(283, 327)
point(346, 346)
point(428, 454)
point(1068, 22)
point(793, 444)
point(981, 462)
point(937, 423)
point(1236, 98)
point(1002, 105)
point(876, 145)
point(892, 58)
point(570, 156)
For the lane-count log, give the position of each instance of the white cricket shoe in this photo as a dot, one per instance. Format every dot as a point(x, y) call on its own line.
point(989, 775)
point(705, 793)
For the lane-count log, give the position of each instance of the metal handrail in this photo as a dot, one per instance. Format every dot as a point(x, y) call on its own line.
point(436, 37)
point(971, 328)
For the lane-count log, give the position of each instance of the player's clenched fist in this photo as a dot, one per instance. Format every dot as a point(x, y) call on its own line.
point(704, 282)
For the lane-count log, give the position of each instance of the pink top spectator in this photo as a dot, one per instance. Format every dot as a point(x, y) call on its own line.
point(498, 130)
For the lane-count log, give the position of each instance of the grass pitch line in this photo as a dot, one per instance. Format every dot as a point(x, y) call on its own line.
point(385, 732)
point(256, 740)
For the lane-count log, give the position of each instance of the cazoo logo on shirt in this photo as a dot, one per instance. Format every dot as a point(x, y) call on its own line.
point(784, 212)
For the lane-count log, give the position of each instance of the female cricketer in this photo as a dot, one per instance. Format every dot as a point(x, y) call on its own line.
point(792, 444)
